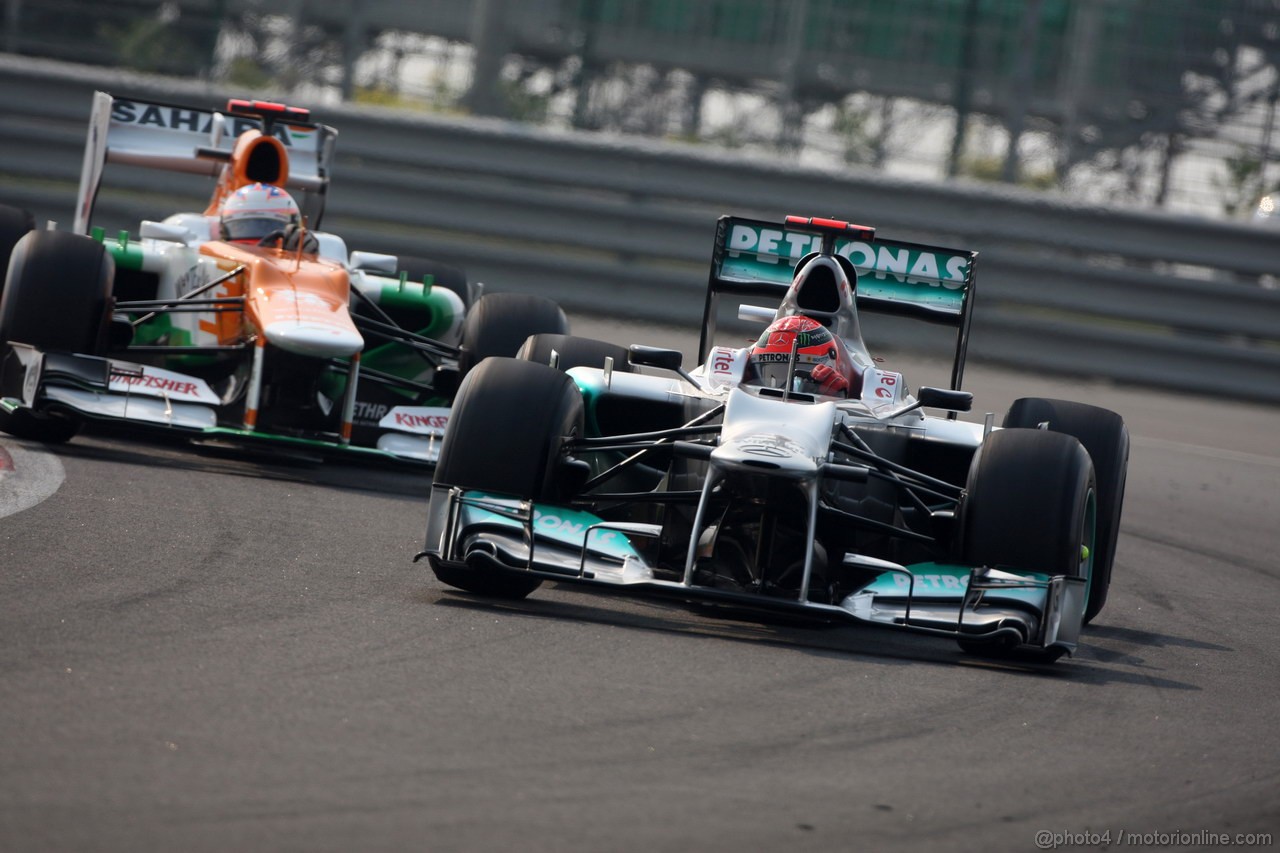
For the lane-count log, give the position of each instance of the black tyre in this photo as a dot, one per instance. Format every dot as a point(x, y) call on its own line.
point(483, 449)
point(443, 275)
point(1105, 437)
point(1030, 504)
point(56, 298)
point(1026, 504)
point(14, 222)
point(58, 293)
point(499, 323)
point(48, 427)
point(508, 425)
point(574, 352)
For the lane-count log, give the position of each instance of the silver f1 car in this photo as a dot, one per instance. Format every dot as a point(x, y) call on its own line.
point(286, 337)
point(793, 475)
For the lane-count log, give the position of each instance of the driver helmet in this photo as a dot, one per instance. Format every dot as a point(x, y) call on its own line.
point(256, 210)
point(819, 362)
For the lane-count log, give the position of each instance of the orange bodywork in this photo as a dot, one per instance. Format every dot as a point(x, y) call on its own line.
point(291, 300)
point(296, 301)
point(256, 158)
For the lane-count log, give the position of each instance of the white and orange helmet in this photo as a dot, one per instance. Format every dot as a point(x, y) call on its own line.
point(256, 210)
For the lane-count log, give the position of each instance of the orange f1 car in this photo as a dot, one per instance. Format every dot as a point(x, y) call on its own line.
point(243, 321)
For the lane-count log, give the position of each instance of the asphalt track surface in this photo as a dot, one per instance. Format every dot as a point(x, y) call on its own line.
point(209, 652)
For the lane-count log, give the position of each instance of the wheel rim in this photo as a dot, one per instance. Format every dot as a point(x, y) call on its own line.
point(1088, 542)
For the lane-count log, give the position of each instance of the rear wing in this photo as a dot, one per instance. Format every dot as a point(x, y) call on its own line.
point(197, 141)
point(757, 258)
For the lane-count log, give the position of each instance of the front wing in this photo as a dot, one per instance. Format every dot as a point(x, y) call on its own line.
point(486, 533)
point(153, 398)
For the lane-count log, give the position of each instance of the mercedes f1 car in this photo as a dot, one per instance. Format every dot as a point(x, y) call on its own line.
point(191, 328)
point(792, 475)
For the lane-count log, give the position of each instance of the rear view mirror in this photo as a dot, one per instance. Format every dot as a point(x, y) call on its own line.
point(666, 359)
point(165, 231)
point(756, 313)
point(942, 398)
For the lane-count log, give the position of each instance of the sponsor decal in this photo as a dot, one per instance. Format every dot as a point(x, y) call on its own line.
point(434, 422)
point(932, 581)
point(879, 386)
point(422, 420)
point(192, 121)
point(771, 357)
point(722, 359)
point(195, 277)
point(154, 382)
point(901, 263)
point(569, 527)
point(725, 365)
point(369, 412)
point(773, 446)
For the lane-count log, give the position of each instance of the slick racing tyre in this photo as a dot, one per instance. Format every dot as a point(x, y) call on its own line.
point(508, 425)
point(574, 352)
point(14, 222)
point(499, 323)
point(56, 299)
point(46, 427)
point(1030, 504)
point(484, 450)
point(1104, 435)
point(57, 294)
point(443, 275)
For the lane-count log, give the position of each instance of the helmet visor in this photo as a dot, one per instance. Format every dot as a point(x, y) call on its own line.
point(251, 227)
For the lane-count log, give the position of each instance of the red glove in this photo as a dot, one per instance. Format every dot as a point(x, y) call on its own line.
point(830, 382)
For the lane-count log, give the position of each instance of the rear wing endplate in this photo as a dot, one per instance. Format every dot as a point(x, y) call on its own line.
point(158, 135)
point(757, 258)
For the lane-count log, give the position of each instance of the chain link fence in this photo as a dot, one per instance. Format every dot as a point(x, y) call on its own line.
point(1149, 103)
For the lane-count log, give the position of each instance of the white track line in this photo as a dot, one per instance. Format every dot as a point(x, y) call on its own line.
point(27, 476)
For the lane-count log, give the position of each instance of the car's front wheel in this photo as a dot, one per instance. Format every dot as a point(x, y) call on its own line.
point(506, 435)
point(56, 299)
point(14, 222)
point(1104, 435)
point(1030, 505)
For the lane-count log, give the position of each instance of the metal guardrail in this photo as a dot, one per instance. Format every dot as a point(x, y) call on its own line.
point(611, 225)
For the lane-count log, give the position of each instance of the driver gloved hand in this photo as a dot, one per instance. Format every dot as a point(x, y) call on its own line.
point(830, 381)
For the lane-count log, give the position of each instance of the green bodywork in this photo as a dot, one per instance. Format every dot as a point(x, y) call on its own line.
point(418, 307)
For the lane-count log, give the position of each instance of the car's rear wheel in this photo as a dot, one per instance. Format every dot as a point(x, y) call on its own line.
point(508, 426)
point(56, 299)
point(572, 351)
point(1030, 505)
point(1105, 437)
point(499, 323)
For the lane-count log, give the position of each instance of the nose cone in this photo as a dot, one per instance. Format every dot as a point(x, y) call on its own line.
point(314, 338)
point(306, 312)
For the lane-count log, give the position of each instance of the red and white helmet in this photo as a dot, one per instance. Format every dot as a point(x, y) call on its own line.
point(256, 210)
point(820, 365)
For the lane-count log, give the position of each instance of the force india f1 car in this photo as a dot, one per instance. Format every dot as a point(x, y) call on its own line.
point(291, 339)
point(744, 483)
